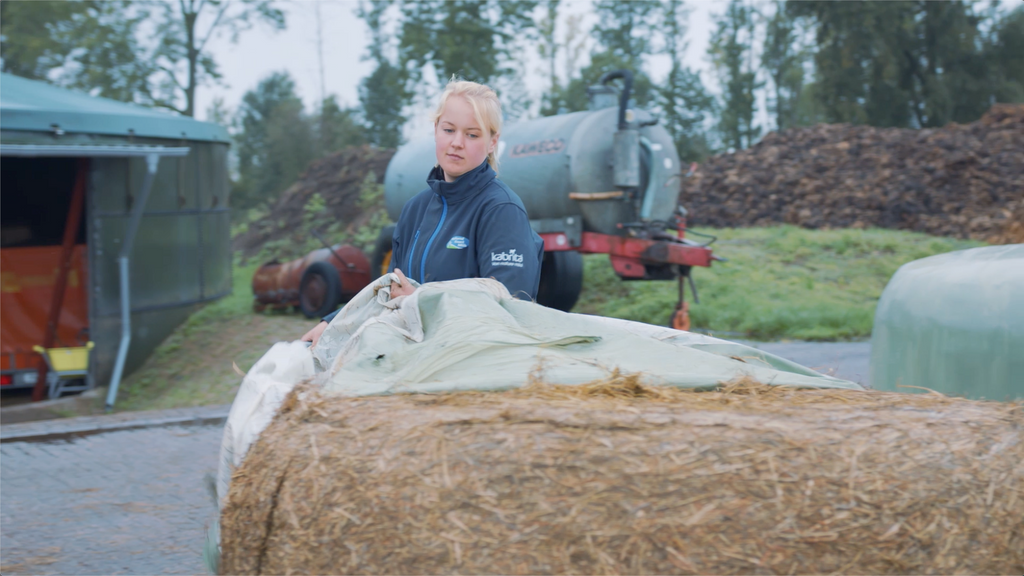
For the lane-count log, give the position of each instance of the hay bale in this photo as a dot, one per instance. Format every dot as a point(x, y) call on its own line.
point(617, 477)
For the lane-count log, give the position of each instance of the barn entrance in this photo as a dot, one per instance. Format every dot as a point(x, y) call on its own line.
point(42, 247)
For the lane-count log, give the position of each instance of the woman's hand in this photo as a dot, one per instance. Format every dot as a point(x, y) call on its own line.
point(314, 334)
point(403, 287)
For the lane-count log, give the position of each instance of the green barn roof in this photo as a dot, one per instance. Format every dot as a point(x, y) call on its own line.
point(35, 106)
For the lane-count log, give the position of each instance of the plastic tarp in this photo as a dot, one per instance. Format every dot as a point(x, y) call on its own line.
point(472, 335)
point(953, 323)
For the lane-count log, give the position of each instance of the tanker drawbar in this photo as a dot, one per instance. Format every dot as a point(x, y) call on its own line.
point(601, 181)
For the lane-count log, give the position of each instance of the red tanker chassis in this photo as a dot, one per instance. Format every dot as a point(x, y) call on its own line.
point(646, 254)
point(632, 257)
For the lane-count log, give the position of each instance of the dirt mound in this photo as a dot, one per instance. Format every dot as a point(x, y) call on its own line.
point(1013, 230)
point(959, 181)
point(338, 180)
point(621, 478)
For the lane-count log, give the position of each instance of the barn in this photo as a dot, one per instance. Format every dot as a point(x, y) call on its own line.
point(115, 227)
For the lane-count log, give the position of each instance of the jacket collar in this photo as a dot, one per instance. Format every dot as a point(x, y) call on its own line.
point(464, 187)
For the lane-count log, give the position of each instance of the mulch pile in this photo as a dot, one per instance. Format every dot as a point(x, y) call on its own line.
point(336, 178)
point(958, 181)
point(620, 478)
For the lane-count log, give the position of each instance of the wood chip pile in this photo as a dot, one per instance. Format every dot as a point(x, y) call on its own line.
point(959, 181)
point(337, 178)
point(621, 478)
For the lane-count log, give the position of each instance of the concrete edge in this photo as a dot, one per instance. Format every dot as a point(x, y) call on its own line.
point(67, 428)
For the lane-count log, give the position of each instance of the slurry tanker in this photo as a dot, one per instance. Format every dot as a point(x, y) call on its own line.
point(601, 181)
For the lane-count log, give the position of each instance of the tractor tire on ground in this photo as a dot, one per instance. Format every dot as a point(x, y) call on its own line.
point(319, 290)
point(380, 263)
point(561, 279)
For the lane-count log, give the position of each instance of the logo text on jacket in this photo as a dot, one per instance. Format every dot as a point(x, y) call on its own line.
point(509, 258)
point(457, 243)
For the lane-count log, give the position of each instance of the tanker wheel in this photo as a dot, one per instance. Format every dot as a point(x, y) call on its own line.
point(319, 290)
point(561, 279)
point(381, 261)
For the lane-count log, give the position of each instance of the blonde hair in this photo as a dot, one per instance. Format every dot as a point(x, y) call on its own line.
point(486, 108)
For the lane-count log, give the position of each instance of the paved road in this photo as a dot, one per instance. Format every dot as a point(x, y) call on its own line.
point(846, 360)
point(133, 501)
point(124, 502)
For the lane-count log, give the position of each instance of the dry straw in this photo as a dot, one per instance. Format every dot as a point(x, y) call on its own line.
point(617, 477)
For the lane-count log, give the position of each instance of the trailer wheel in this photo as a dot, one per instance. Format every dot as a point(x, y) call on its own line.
point(561, 279)
point(381, 262)
point(319, 290)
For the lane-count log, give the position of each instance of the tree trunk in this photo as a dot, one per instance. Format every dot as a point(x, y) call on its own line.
point(193, 62)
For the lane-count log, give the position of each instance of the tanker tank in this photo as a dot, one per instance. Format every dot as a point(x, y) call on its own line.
point(605, 180)
point(562, 167)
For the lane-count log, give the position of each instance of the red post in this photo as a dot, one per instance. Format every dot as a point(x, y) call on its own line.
point(67, 249)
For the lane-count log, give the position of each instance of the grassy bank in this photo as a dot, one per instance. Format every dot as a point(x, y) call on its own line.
point(781, 282)
point(193, 366)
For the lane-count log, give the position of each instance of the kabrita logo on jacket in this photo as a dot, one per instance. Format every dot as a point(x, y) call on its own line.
point(457, 243)
point(509, 258)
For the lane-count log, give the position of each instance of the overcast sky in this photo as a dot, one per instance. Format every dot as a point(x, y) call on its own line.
point(262, 51)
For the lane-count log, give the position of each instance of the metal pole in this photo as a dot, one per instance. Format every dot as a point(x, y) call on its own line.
point(152, 161)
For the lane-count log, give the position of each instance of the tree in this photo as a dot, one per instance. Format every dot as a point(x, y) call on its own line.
point(182, 56)
point(337, 127)
point(624, 29)
point(274, 142)
point(682, 98)
point(382, 94)
point(473, 39)
point(847, 47)
point(149, 53)
point(623, 32)
point(623, 36)
point(783, 58)
point(516, 101)
point(731, 51)
point(218, 113)
point(88, 46)
point(28, 49)
point(809, 110)
point(1005, 50)
point(547, 48)
point(908, 63)
point(569, 95)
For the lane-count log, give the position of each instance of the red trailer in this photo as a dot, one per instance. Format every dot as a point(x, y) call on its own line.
point(315, 283)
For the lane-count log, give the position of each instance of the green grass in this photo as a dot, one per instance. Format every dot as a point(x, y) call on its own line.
point(779, 283)
point(193, 366)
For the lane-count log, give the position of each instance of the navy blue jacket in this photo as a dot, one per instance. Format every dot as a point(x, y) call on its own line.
point(474, 227)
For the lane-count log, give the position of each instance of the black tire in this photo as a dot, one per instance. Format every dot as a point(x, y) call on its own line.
point(381, 260)
point(319, 290)
point(561, 279)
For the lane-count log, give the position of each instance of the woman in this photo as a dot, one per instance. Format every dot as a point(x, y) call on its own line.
point(467, 223)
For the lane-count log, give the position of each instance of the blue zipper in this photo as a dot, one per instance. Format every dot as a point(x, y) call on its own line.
point(426, 249)
point(412, 251)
